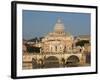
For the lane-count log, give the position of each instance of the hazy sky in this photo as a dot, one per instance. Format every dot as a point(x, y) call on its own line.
point(39, 23)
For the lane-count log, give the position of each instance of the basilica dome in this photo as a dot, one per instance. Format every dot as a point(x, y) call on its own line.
point(59, 26)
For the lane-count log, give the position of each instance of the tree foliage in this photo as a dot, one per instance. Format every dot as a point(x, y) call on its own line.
point(32, 49)
point(82, 42)
point(36, 39)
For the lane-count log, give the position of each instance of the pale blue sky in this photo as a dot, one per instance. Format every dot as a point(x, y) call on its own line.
point(39, 23)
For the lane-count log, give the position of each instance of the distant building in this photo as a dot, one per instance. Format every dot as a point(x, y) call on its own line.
point(24, 48)
point(84, 37)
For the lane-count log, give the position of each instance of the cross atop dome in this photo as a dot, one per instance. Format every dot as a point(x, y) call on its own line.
point(59, 20)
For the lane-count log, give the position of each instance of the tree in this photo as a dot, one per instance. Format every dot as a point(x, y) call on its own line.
point(82, 42)
point(32, 49)
point(33, 40)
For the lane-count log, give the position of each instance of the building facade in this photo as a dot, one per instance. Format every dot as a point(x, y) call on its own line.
point(57, 41)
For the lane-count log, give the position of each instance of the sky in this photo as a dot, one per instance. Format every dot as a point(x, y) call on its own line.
point(40, 23)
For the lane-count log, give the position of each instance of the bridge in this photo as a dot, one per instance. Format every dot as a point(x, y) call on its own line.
point(52, 60)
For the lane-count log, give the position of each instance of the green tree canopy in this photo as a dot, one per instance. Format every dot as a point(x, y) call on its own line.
point(82, 42)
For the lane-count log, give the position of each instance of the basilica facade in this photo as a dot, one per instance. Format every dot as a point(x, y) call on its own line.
point(58, 40)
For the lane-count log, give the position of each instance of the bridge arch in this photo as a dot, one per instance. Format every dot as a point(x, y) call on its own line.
point(51, 62)
point(34, 63)
point(72, 61)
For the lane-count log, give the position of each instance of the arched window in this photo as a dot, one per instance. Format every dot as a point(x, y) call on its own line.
point(55, 48)
point(51, 49)
point(64, 48)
